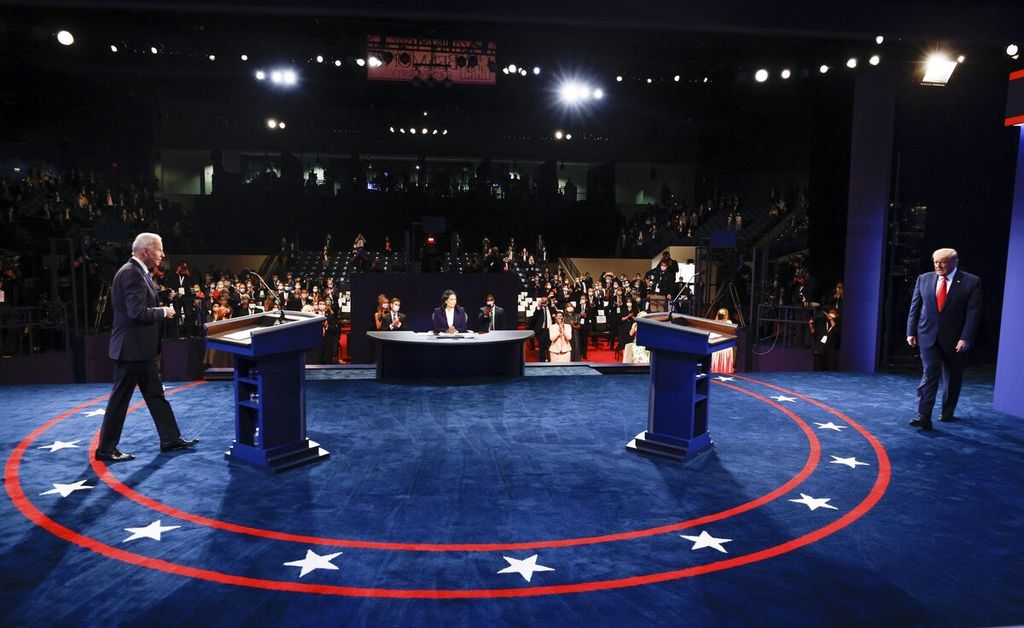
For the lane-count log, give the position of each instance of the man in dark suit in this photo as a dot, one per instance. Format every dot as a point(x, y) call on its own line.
point(943, 321)
point(543, 318)
point(393, 319)
point(135, 347)
point(492, 317)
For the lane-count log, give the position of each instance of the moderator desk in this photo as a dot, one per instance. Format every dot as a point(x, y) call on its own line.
point(407, 355)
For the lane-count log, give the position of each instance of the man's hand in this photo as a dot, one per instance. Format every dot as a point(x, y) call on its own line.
point(912, 341)
point(169, 312)
point(962, 345)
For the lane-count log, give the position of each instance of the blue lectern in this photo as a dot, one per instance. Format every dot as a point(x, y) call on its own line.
point(677, 413)
point(270, 386)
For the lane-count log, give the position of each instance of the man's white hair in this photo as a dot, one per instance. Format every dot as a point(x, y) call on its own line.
point(144, 241)
point(945, 254)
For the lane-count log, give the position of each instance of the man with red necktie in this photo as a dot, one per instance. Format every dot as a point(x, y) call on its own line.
point(943, 321)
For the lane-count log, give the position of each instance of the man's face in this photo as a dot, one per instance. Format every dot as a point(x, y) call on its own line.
point(944, 265)
point(154, 253)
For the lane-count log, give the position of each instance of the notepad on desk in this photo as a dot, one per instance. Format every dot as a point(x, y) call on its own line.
point(239, 336)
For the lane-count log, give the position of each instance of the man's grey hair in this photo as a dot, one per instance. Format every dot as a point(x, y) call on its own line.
point(945, 254)
point(144, 241)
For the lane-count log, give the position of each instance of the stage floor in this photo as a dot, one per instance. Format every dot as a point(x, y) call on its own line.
point(516, 503)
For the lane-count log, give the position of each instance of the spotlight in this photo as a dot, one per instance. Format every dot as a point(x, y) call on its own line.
point(961, 59)
point(570, 93)
point(522, 71)
point(649, 81)
point(879, 40)
point(245, 57)
point(281, 125)
point(260, 75)
point(276, 77)
point(536, 70)
point(598, 94)
point(874, 60)
point(1012, 50)
point(761, 75)
point(271, 123)
point(705, 79)
point(504, 70)
point(413, 131)
point(558, 135)
point(851, 63)
point(938, 68)
point(435, 132)
point(289, 77)
point(153, 49)
point(65, 38)
point(375, 61)
point(676, 78)
point(512, 67)
point(618, 79)
point(823, 69)
point(391, 128)
point(113, 48)
point(360, 62)
point(424, 131)
point(212, 57)
point(785, 74)
point(402, 129)
point(337, 63)
point(319, 58)
point(568, 136)
point(444, 132)
point(424, 114)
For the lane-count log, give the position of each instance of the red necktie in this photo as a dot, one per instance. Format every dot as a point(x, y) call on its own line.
point(940, 294)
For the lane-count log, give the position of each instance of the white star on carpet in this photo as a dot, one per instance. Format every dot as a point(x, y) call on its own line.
point(814, 503)
point(96, 412)
point(784, 398)
point(525, 567)
point(706, 540)
point(722, 378)
point(830, 426)
point(152, 531)
point(164, 386)
point(851, 462)
point(314, 561)
point(66, 489)
point(59, 444)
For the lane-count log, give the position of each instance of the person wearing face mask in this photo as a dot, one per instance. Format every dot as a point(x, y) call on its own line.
point(572, 319)
point(664, 279)
point(332, 333)
point(543, 318)
point(491, 316)
point(393, 319)
point(587, 317)
point(560, 335)
point(627, 315)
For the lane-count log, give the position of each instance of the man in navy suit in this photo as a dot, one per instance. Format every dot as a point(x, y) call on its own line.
point(943, 321)
point(135, 347)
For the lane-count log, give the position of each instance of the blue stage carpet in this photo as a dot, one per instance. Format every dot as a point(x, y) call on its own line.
point(516, 503)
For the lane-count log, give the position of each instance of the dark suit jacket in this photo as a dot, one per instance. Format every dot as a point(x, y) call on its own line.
point(459, 321)
point(485, 319)
point(388, 317)
point(136, 333)
point(537, 321)
point(959, 317)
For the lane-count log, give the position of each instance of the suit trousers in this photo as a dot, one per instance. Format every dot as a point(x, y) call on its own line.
point(543, 344)
point(146, 376)
point(944, 362)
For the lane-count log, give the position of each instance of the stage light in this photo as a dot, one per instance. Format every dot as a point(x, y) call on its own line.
point(938, 68)
point(676, 78)
point(319, 58)
point(391, 128)
point(569, 92)
point(435, 132)
point(337, 63)
point(245, 57)
point(281, 125)
point(536, 70)
point(618, 79)
point(851, 63)
point(705, 79)
point(424, 114)
point(761, 75)
point(504, 70)
point(598, 94)
point(212, 57)
point(153, 49)
point(961, 59)
point(444, 132)
point(512, 67)
point(823, 69)
point(113, 48)
point(360, 62)
point(568, 136)
point(413, 131)
point(879, 40)
point(402, 129)
point(1012, 50)
point(271, 123)
point(65, 38)
point(288, 77)
point(785, 74)
point(276, 77)
point(649, 81)
point(374, 61)
point(874, 60)
point(558, 135)
point(424, 131)
point(261, 75)
point(522, 71)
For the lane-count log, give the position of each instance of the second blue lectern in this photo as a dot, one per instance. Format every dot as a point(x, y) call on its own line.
point(270, 386)
point(677, 414)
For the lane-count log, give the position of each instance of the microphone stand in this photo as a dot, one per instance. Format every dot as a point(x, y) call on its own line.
point(277, 297)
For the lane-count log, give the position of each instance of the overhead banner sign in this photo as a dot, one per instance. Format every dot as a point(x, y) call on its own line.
point(425, 59)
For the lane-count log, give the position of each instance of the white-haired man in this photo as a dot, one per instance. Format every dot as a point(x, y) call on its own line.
point(943, 321)
point(135, 347)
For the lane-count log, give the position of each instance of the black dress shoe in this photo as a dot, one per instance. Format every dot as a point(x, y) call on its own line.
point(178, 443)
point(115, 456)
point(922, 422)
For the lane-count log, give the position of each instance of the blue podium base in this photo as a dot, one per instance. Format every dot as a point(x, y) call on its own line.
point(677, 449)
point(278, 459)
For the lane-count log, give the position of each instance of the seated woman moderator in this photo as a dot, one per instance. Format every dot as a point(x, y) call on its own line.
point(450, 317)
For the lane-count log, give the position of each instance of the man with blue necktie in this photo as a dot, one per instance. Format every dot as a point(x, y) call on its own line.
point(943, 321)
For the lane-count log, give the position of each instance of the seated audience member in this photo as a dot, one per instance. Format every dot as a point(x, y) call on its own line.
point(450, 318)
point(723, 361)
point(491, 316)
point(560, 334)
point(394, 319)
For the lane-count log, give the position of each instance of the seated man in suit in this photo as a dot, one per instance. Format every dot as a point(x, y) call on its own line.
point(393, 319)
point(943, 320)
point(491, 317)
point(450, 318)
point(135, 349)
